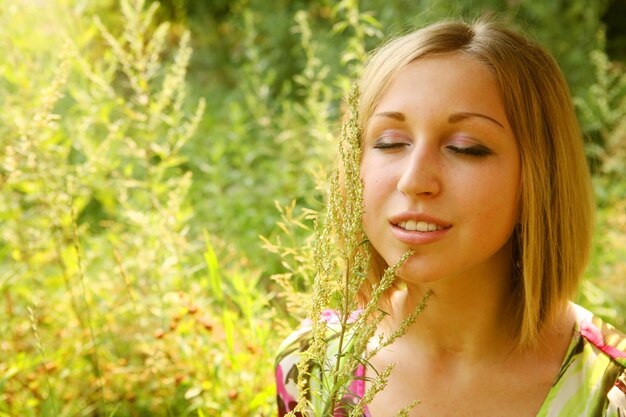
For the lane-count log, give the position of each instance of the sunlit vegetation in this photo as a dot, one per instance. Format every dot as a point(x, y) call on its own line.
point(146, 147)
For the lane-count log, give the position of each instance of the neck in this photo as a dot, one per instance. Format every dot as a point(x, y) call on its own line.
point(469, 316)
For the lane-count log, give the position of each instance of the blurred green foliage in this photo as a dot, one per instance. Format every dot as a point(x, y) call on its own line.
point(137, 177)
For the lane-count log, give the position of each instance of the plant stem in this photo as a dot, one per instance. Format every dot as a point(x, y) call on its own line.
point(344, 323)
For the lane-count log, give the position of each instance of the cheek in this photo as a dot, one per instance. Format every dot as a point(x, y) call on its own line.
point(376, 189)
point(371, 195)
point(499, 208)
point(492, 198)
point(375, 193)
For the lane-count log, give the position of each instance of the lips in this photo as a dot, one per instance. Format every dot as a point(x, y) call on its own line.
point(418, 228)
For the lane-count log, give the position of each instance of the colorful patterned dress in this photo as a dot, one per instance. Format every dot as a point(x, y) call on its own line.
point(591, 382)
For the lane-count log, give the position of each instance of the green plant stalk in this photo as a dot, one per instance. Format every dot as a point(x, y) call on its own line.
point(35, 329)
point(93, 356)
point(344, 324)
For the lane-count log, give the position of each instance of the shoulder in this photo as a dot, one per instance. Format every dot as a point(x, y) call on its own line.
point(286, 367)
point(299, 340)
point(289, 354)
point(603, 359)
point(601, 336)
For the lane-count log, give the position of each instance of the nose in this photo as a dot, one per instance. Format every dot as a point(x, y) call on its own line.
point(420, 175)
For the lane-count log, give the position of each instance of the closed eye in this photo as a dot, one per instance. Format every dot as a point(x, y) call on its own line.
point(475, 150)
point(389, 145)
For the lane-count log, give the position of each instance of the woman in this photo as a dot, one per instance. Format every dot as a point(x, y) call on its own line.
point(472, 158)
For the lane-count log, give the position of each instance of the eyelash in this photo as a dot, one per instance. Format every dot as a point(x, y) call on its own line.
point(477, 150)
point(389, 145)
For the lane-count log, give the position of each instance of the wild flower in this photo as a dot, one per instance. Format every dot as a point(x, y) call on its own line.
point(342, 264)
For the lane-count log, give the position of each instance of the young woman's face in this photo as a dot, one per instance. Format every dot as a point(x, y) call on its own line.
point(441, 171)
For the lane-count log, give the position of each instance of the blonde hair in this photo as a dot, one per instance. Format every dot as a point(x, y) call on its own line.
point(552, 240)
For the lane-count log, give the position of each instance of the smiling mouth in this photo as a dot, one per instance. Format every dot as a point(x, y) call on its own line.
point(415, 226)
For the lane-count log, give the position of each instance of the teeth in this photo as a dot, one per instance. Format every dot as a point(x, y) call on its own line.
point(412, 225)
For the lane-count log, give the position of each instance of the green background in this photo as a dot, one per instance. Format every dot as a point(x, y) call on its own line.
point(138, 176)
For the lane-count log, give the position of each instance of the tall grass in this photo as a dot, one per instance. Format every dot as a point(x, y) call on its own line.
point(110, 298)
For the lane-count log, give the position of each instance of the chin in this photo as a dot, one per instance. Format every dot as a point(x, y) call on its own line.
point(419, 274)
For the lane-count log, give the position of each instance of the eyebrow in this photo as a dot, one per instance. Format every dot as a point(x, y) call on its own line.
point(456, 117)
point(392, 115)
point(466, 115)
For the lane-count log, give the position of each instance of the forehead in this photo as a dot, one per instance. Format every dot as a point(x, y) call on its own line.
point(453, 80)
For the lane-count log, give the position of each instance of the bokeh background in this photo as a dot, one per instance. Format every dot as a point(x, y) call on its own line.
point(160, 166)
